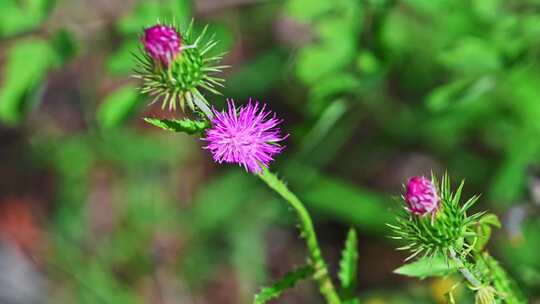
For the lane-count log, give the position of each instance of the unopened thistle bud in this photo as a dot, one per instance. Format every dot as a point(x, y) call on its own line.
point(421, 196)
point(430, 235)
point(175, 65)
point(162, 43)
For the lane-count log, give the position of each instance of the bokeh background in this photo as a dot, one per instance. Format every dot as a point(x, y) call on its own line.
point(96, 206)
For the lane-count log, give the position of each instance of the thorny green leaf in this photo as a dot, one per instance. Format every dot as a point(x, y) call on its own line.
point(288, 281)
point(179, 125)
point(348, 266)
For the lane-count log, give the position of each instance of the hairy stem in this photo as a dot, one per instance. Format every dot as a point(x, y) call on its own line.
point(198, 100)
point(503, 283)
point(321, 274)
point(467, 274)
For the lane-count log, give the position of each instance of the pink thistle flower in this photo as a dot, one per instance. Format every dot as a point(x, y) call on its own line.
point(162, 43)
point(248, 136)
point(421, 196)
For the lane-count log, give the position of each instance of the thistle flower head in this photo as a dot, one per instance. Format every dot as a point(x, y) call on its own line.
point(174, 66)
point(447, 229)
point(248, 136)
point(162, 43)
point(421, 196)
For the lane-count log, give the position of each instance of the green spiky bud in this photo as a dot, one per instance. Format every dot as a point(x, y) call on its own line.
point(174, 73)
point(445, 229)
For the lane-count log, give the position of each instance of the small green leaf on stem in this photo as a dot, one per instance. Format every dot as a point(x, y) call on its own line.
point(348, 266)
point(504, 285)
point(426, 267)
point(179, 125)
point(326, 286)
point(490, 219)
point(288, 281)
point(483, 230)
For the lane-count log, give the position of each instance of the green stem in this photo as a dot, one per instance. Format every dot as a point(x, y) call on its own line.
point(321, 274)
point(503, 283)
point(201, 104)
point(498, 278)
point(467, 274)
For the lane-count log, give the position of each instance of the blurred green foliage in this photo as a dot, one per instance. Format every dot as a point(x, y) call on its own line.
point(21, 16)
point(30, 58)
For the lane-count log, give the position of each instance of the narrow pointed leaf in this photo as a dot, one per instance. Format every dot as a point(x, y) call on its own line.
point(348, 266)
point(183, 125)
point(426, 267)
point(288, 281)
point(490, 219)
point(483, 230)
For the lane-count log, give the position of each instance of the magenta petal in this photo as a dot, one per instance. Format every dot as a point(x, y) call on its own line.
point(421, 196)
point(248, 136)
point(162, 43)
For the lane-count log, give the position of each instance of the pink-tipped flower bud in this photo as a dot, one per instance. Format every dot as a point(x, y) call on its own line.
point(162, 43)
point(421, 196)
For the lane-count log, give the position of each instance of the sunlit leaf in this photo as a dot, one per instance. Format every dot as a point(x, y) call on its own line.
point(471, 56)
point(21, 16)
point(27, 64)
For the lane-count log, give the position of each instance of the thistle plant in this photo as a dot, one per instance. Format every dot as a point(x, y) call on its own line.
point(173, 67)
point(437, 227)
